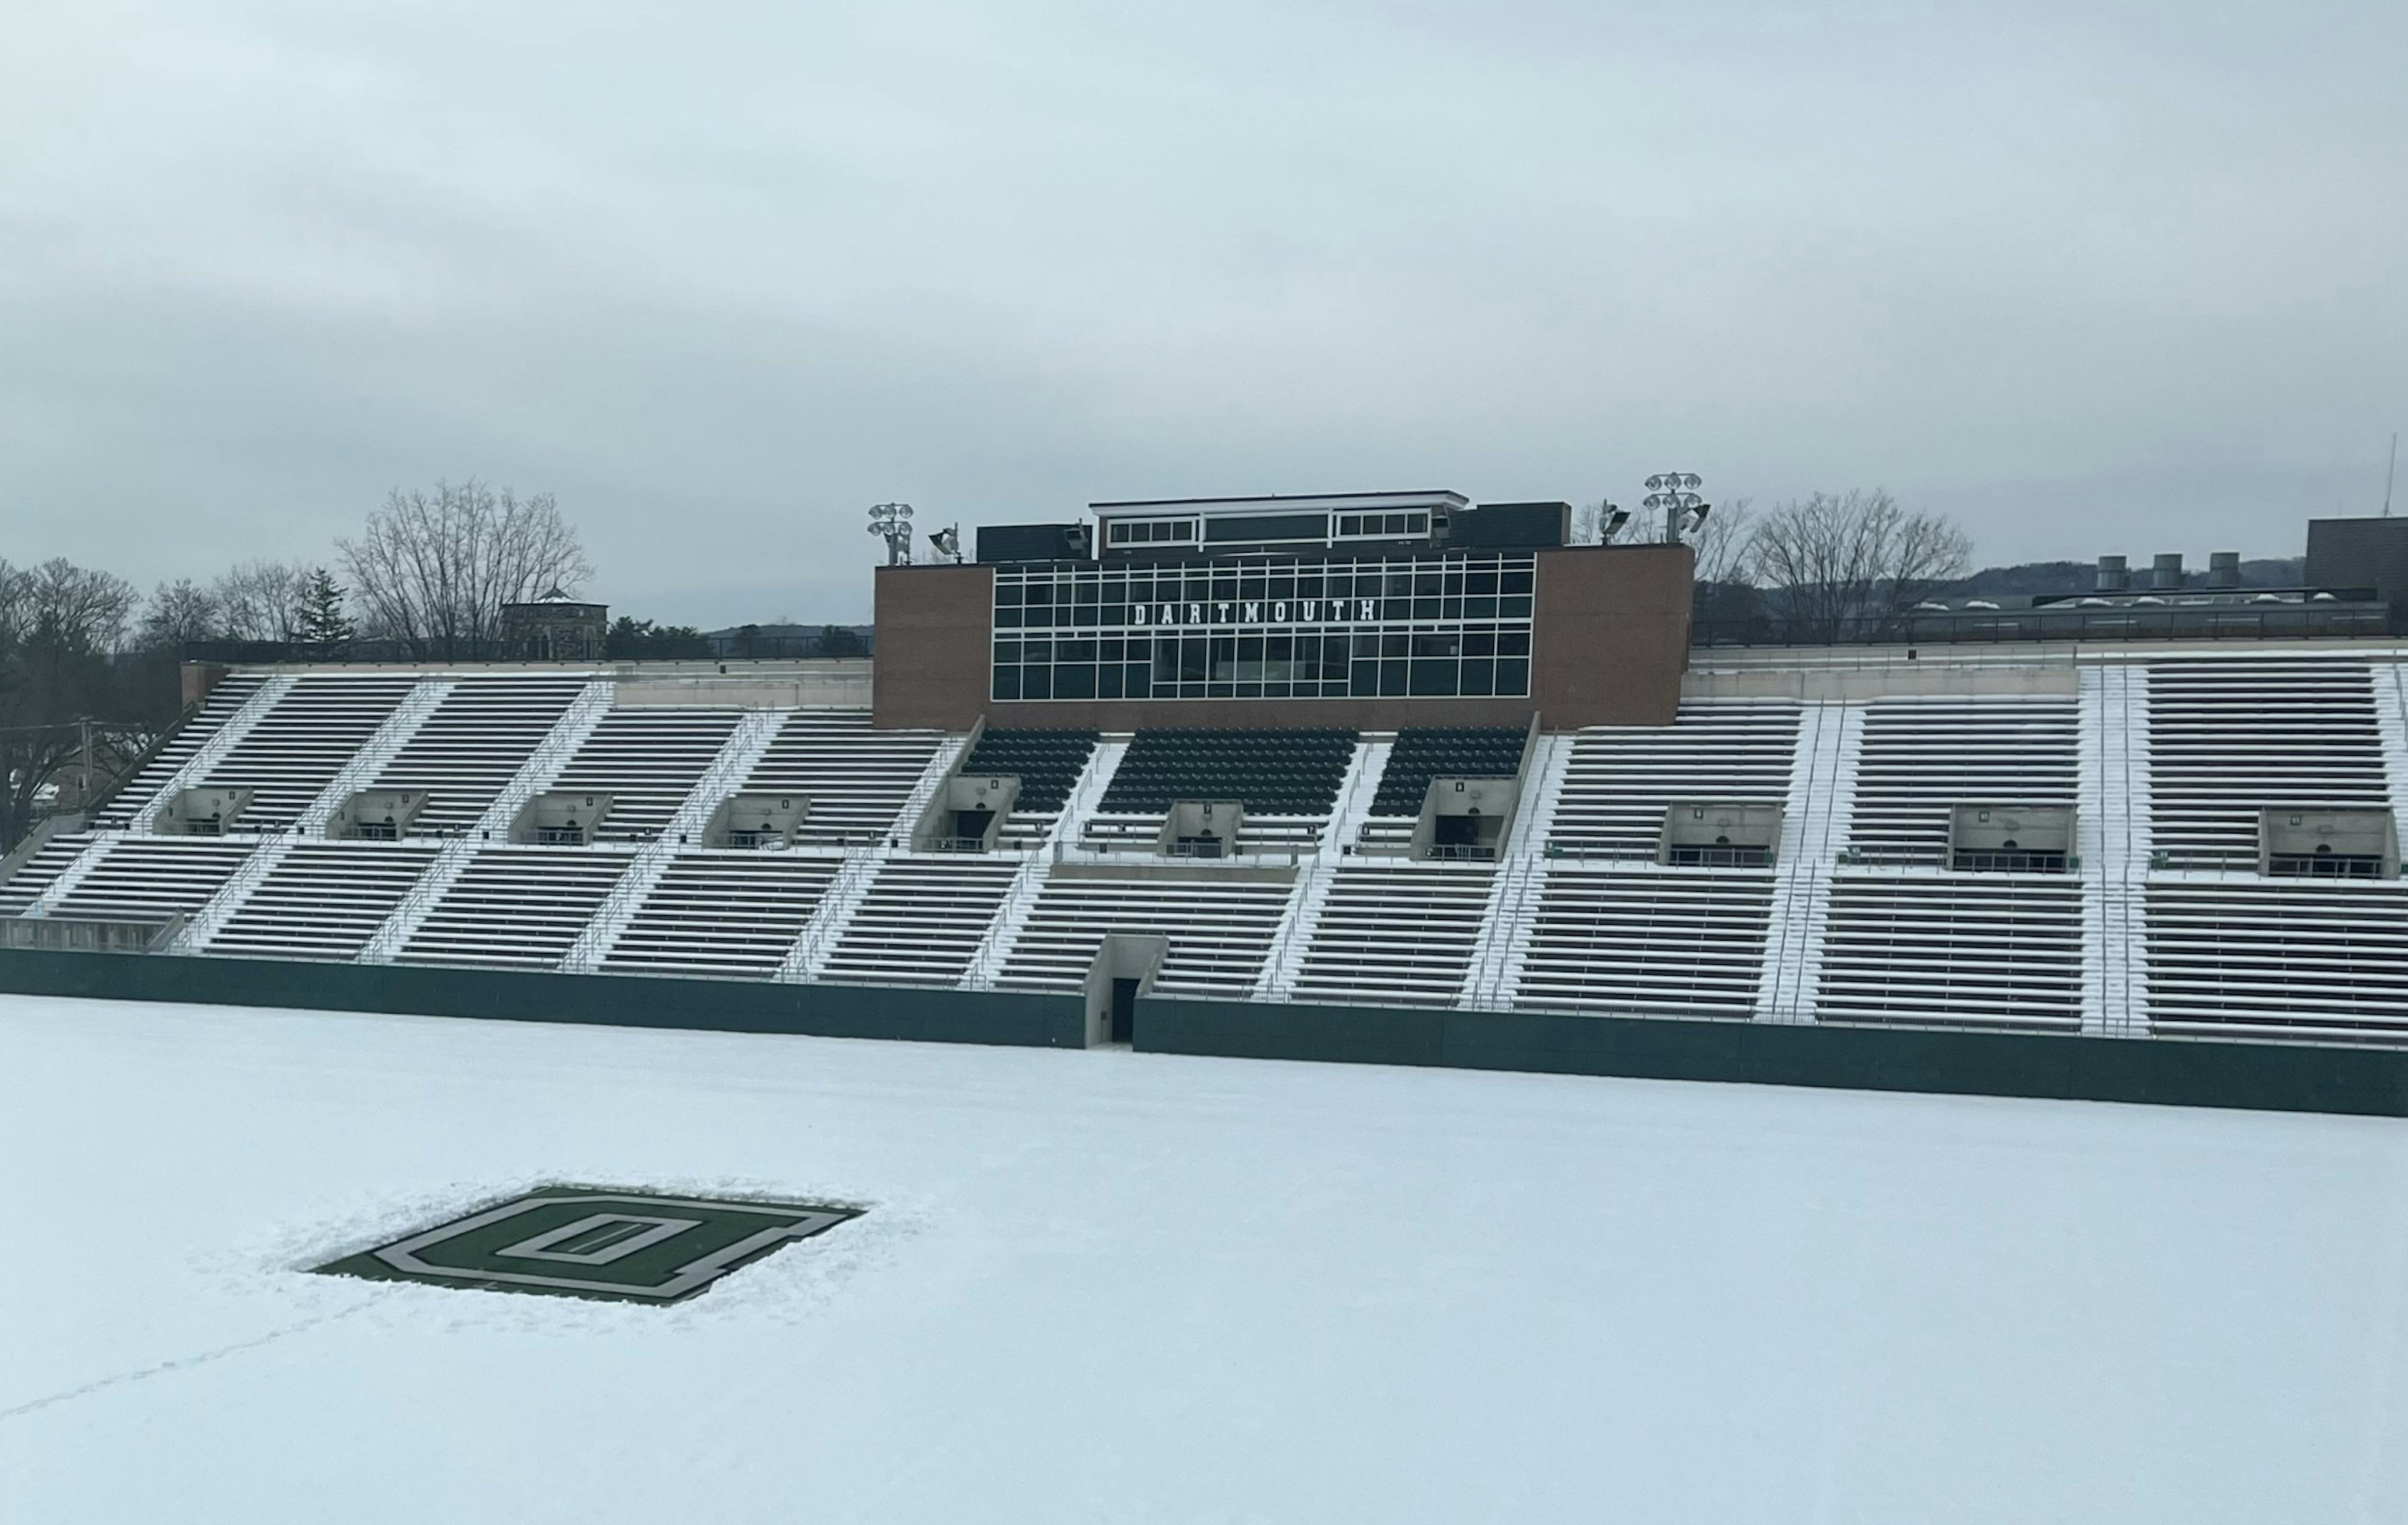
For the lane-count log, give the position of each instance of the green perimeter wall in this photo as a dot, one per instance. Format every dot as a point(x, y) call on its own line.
point(2280, 1077)
point(824, 1011)
point(2172, 1072)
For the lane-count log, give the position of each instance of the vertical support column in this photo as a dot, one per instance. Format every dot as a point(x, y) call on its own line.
point(2112, 834)
point(1814, 829)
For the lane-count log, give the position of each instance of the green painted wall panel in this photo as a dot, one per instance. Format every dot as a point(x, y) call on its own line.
point(2279, 1077)
point(827, 1011)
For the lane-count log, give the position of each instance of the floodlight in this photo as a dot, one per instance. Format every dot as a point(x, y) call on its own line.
point(892, 523)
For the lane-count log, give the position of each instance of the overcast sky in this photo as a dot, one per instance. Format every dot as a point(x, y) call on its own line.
point(2088, 277)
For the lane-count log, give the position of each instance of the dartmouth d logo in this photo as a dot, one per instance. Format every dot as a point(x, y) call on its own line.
point(594, 1242)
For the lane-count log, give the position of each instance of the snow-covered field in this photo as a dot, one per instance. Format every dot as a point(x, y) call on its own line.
point(1107, 1287)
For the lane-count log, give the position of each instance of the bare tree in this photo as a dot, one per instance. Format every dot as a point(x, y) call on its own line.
point(62, 604)
point(178, 611)
point(1847, 565)
point(60, 627)
point(435, 569)
point(1721, 543)
point(262, 600)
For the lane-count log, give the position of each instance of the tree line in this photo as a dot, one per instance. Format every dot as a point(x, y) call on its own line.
point(1831, 567)
point(89, 668)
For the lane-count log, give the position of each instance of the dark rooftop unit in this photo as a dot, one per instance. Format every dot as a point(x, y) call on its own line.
point(1034, 542)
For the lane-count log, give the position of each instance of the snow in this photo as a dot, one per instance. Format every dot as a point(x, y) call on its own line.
point(1116, 1287)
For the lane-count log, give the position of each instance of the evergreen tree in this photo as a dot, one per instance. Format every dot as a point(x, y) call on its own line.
point(322, 619)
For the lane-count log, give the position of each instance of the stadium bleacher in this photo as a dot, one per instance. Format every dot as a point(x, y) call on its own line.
point(2164, 921)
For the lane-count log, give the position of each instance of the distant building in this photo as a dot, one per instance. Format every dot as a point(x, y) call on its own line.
point(555, 628)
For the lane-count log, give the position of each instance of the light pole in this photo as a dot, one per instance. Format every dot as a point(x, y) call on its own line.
point(892, 523)
point(1675, 493)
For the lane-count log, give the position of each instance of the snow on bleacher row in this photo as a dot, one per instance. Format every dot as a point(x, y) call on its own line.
point(1680, 942)
point(33, 876)
point(152, 878)
point(1396, 935)
point(1219, 925)
point(2227, 738)
point(856, 779)
point(1986, 950)
point(1617, 781)
point(1922, 757)
point(323, 899)
point(1903, 939)
point(921, 921)
point(515, 907)
point(296, 748)
point(230, 695)
point(2300, 959)
point(646, 761)
point(475, 742)
point(733, 913)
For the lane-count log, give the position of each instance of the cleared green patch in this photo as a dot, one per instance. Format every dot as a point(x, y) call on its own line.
point(595, 1242)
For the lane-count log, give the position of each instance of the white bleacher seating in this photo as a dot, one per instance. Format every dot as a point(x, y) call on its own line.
point(723, 913)
point(516, 907)
point(323, 899)
point(1398, 935)
point(1982, 950)
point(856, 778)
point(296, 748)
point(2279, 959)
point(152, 878)
point(478, 737)
point(34, 874)
point(1680, 942)
point(231, 694)
point(1219, 927)
point(1617, 781)
point(1922, 757)
point(921, 921)
point(2230, 736)
point(646, 760)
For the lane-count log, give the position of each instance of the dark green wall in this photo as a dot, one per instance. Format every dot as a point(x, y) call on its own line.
point(2278, 1077)
point(826, 1011)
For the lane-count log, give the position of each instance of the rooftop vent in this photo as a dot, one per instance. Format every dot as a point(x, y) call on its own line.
point(2113, 576)
point(1711, 834)
point(2010, 838)
point(2295, 843)
point(2168, 571)
point(2224, 568)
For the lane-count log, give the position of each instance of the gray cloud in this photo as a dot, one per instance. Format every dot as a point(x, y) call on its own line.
point(2092, 279)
